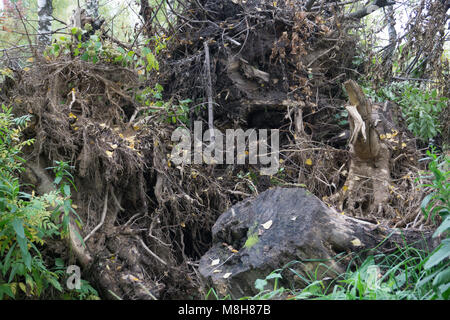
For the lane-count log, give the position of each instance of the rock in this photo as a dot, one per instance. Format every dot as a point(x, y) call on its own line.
point(280, 226)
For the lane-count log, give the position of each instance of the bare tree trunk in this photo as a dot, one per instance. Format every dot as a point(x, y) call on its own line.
point(92, 8)
point(367, 185)
point(390, 49)
point(45, 11)
point(170, 8)
point(373, 6)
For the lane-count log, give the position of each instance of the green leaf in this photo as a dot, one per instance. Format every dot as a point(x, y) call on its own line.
point(152, 62)
point(425, 203)
point(441, 253)
point(260, 284)
point(66, 190)
point(5, 288)
point(58, 180)
point(18, 228)
point(85, 56)
point(274, 276)
point(55, 283)
point(445, 225)
point(59, 263)
point(442, 278)
point(445, 291)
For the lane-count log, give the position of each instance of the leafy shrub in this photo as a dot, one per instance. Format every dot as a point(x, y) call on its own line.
point(438, 203)
point(421, 108)
point(27, 220)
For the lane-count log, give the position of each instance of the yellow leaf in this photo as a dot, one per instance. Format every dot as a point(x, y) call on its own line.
point(183, 224)
point(382, 136)
point(109, 154)
point(23, 287)
point(141, 72)
point(26, 69)
point(234, 251)
point(30, 59)
point(74, 206)
point(71, 115)
point(308, 162)
point(344, 188)
point(356, 242)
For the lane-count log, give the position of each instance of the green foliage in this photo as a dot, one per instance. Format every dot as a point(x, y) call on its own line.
point(406, 274)
point(93, 49)
point(252, 239)
point(421, 108)
point(261, 284)
point(173, 113)
point(63, 181)
point(25, 220)
point(438, 203)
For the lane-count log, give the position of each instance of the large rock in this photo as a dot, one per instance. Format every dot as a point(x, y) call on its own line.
point(259, 235)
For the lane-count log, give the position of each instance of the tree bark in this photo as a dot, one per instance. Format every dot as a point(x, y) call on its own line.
point(375, 5)
point(366, 190)
point(45, 11)
point(92, 8)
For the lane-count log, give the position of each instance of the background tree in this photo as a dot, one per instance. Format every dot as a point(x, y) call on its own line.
point(92, 8)
point(45, 12)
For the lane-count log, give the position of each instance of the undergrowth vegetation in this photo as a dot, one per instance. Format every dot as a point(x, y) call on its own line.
point(27, 221)
point(422, 109)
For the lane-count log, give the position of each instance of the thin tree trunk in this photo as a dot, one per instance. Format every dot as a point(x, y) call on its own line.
point(373, 6)
point(45, 12)
point(92, 8)
point(389, 53)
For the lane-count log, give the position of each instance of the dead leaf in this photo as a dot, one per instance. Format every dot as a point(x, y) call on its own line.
point(267, 225)
point(215, 262)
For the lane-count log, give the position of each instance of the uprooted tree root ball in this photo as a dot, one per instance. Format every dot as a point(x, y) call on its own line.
point(145, 220)
point(85, 114)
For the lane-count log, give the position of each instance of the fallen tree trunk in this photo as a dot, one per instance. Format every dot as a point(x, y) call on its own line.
point(260, 235)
